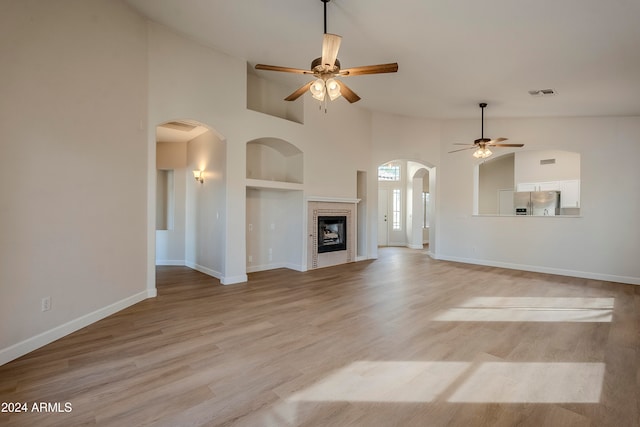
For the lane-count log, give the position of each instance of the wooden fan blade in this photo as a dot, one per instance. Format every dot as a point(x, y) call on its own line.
point(460, 143)
point(462, 149)
point(299, 92)
point(284, 69)
point(370, 69)
point(495, 141)
point(507, 145)
point(330, 47)
point(348, 94)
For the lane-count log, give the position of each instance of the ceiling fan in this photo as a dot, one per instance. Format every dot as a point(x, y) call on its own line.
point(326, 68)
point(481, 145)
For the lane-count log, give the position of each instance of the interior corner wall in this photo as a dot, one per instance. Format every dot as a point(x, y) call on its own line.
point(72, 113)
point(274, 229)
point(205, 235)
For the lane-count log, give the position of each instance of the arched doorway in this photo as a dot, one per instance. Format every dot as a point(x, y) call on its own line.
point(406, 204)
point(190, 213)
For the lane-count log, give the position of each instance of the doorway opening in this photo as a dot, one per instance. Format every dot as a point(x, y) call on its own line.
point(406, 204)
point(187, 209)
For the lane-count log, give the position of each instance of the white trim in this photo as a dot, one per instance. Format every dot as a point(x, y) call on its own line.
point(30, 344)
point(548, 270)
point(416, 246)
point(178, 262)
point(231, 280)
point(202, 269)
point(273, 266)
point(332, 199)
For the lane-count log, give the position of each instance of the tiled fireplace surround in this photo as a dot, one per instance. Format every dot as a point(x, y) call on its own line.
point(330, 207)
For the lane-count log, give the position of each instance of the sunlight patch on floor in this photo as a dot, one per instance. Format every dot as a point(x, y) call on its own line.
point(365, 381)
point(532, 383)
point(459, 382)
point(530, 309)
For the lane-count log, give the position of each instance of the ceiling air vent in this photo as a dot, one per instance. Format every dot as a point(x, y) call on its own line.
point(548, 162)
point(543, 92)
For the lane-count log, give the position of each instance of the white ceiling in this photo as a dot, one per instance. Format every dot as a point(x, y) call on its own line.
point(451, 54)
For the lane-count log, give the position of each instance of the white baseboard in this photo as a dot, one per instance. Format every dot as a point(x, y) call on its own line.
point(232, 280)
point(415, 246)
point(273, 266)
point(20, 349)
point(202, 269)
point(548, 270)
point(224, 280)
point(179, 262)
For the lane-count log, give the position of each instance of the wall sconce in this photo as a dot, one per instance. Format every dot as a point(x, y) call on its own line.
point(199, 176)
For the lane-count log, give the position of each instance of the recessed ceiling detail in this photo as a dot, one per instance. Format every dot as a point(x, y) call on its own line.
point(181, 126)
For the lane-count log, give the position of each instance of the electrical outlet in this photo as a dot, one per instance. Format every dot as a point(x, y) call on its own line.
point(250, 258)
point(46, 304)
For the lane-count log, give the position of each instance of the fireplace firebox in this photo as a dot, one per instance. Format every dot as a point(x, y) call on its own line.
point(332, 233)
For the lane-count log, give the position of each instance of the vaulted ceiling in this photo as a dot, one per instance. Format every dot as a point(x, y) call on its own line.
point(451, 54)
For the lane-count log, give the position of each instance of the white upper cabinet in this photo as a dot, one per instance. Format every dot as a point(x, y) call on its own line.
point(570, 194)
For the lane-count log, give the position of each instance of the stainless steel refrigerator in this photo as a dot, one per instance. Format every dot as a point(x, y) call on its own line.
point(538, 203)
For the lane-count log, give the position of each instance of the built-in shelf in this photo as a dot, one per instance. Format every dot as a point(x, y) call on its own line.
point(274, 185)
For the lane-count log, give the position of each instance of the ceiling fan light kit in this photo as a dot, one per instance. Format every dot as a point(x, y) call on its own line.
point(482, 144)
point(482, 153)
point(326, 68)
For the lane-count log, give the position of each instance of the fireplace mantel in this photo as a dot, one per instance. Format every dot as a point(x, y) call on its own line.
point(332, 199)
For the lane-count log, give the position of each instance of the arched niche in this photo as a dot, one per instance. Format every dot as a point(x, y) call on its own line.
point(274, 159)
point(499, 178)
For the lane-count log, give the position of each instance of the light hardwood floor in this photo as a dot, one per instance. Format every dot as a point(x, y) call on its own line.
point(400, 341)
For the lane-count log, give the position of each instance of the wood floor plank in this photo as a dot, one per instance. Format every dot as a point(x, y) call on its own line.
point(402, 340)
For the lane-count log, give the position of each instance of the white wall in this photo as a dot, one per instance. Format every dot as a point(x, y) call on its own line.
point(205, 236)
point(170, 244)
point(603, 243)
point(274, 229)
point(398, 137)
point(419, 181)
point(527, 167)
point(73, 167)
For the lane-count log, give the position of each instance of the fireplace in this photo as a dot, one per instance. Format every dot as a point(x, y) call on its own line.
point(332, 233)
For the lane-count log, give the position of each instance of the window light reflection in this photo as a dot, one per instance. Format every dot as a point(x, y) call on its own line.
point(530, 309)
point(459, 382)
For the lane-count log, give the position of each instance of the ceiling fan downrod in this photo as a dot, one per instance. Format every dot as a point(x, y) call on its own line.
point(482, 106)
point(325, 14)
